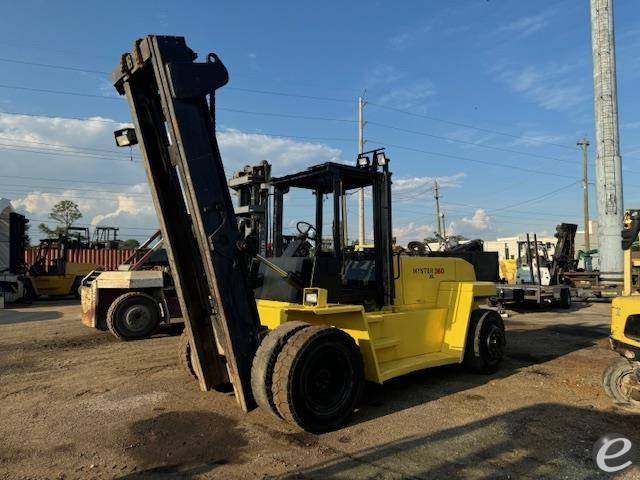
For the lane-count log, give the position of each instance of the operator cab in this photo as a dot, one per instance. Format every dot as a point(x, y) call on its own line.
point(320, 257)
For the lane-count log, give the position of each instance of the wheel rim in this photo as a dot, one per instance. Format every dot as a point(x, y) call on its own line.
point(495, 344)
point(625, 383)
point(326, 381)
point(137, 318)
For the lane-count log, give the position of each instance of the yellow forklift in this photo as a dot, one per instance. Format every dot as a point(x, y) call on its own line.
point(300, 333)
point(56, 277)
point(621, 379)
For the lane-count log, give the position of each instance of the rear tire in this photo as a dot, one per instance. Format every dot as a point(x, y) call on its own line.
point(318, 379)
point(616, 380)
point(486, 342)
point(133, 316)
point(265, 360)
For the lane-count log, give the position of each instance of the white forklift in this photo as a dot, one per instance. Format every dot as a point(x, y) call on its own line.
point(135, 300)
point(540, 271)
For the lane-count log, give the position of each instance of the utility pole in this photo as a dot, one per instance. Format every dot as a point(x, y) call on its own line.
point(361, 104)
point(345, 214)
point(608, 161)
point(436, 195)
point(584, 143)
point(444, 226)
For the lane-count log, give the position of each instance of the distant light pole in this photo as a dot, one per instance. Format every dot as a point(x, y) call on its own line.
point(584, 143)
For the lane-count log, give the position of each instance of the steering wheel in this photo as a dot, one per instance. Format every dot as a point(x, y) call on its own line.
point(306, 230)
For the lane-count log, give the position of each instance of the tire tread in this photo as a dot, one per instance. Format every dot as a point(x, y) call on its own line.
point(285, 367)
point(264, 363)
point(111, 314)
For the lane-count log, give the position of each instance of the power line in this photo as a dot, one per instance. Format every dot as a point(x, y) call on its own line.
point(465, 125)
point(476, 144)
point(60, 92)
point(474, 160)
point(81, 119)
point(65, 154)
point(55, 145)
point(294, 95)
point(270, 92)
point(68, 195)
point(67, 180)
point(57, 67)
point(541, 197)
point(40, 187)
point(286, 115)
point(239, 89)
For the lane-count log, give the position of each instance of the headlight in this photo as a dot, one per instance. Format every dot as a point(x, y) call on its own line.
point(311, 298)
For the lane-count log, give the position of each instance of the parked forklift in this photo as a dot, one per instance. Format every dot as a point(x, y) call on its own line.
point(324, 316)
point(540, 271)
point(57, 277)
point(134, 301)
point(621, 379)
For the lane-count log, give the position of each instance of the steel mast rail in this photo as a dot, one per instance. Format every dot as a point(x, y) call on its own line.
point(172, 102)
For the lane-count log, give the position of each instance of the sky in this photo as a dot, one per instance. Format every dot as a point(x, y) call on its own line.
point(488, 97)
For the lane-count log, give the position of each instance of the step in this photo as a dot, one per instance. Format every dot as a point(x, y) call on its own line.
point(395, 368)
point(385, 342)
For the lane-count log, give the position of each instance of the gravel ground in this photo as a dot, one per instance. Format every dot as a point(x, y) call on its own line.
point(77, 403)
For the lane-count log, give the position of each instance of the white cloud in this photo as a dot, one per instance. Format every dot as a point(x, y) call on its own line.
point(535, 138)
point(526, 26)
point(239, 148)
point(405, 38)
point(551, 87)
point(408, 189)
point(409, 96)
point(479, 221)
point(59, 130)
point(252, 56)
point(382, 74)
point(412, 231)
point(131, 210)
point(116, 192)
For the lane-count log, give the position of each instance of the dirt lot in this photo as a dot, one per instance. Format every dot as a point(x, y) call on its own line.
point(76, 403)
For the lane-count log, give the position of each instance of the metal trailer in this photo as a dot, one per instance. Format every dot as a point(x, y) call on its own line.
point(13, 285)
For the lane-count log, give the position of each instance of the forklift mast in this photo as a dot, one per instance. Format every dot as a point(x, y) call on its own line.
point(251, 185)
point(565, 251)
point(172, 102)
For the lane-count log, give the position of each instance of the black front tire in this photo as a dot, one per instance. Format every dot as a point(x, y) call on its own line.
point(264, 363)
point(486, 342)
point(133, 316)
point(617, 379)
point(318, 379)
